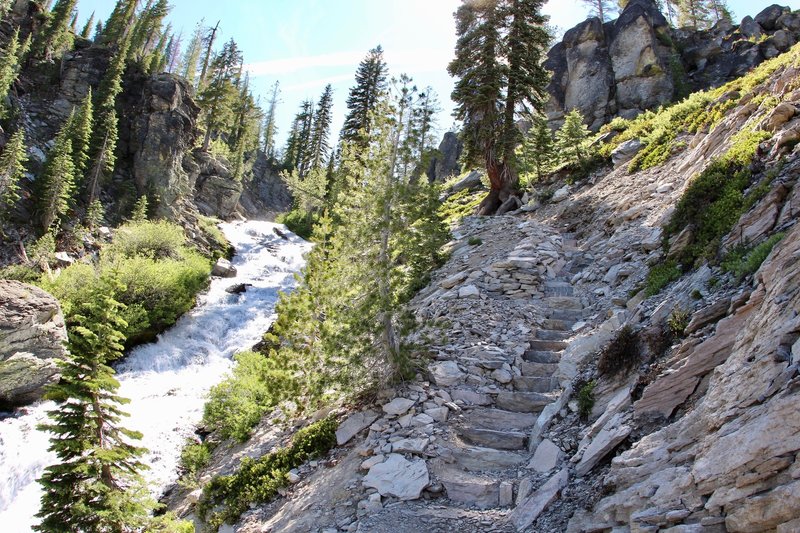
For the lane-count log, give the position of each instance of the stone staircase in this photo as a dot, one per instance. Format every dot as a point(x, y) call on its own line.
point(491, 442)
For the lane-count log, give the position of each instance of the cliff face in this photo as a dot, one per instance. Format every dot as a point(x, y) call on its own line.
point(638, 62)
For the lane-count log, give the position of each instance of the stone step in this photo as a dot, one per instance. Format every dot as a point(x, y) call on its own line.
point(552, 334)
point(469, 488)
point(490, 438)
point(557, 325)
point(542, 356)
point(535, 384)
point(548, 346)
point(522, 402)
point(566, 315)
point(498, 419)
point(558, 288)
point(479, 459)
point(529, 369)
point(563, 302)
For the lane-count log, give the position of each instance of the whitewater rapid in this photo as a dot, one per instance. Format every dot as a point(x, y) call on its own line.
point(166, 381)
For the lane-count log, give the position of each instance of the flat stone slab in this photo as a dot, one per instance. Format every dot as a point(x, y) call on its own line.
point(522, 402)
point(479, 459)
point(353, 425)
point(470, 489)
point(499, 420)
point(398, 477)
point(398, 406)
point(416, 446)
point(609, 438)
point(447, 374)
point(499, 440)
point(546, 457)
point(531, 507)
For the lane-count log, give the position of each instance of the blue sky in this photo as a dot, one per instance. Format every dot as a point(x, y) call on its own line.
point(306, 44)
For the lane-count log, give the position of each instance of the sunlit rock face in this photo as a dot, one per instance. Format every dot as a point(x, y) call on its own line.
point(637, 62)
point(32, 336)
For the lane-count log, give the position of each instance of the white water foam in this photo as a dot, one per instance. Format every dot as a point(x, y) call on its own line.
point(166, 381)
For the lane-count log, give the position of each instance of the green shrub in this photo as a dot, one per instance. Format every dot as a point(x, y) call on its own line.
point(677, 321)
point(299, 222)
point(697, 295)
point(714, 200)
point(219, 243)
point(474, 241)
point(194, 457)
point(159, 275)
point(586, 399)
point(23, 273)
point(660, 276)
point(743, 262)
point(258, 480)
point(255, 386)
point(154, 240)
point(459, 205)
point(621, 353)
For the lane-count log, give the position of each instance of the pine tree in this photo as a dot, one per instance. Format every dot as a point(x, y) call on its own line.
point(55, 186)
point(207, 43)
point(695, 14)
point(94, 214)
point(571, 139)
point(86, 32)
point(104, 141)
point(498, 66)
point(191, 56)
point(218, 96)
point(95, 486)
point(80, 135)
point(245, 136)
point(9, 70)
point(139, 213)
point(147, 32)
point(320, 130)
point(371, 84)
point(12, 170)
point(599, 8)
point(116, 30)
point(56, 35)
point(538, 150)
point(270, 126)
point(296, 154)
point(720, 11)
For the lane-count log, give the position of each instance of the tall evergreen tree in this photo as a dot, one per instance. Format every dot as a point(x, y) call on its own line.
point(207, 43)
point(104, 141)
point(296, 154)
point(116, 30)
point(498, 65)
point(9, 70)
point(55, 185)
point(695, 14)
point(86, 32)
point(599, 8)
point(56, 35)
point(80, 135)
point(320, 130)
point(95, 486)
point(245, 136)
point(371, 84)
point(218, 96)
point(270, 122)
point(191, 56)
point(12, 170)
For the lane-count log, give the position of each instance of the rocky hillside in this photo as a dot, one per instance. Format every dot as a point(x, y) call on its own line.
point(621, 354)
point(638, 62)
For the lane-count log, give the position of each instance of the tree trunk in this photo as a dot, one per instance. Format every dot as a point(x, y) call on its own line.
point(503, 185)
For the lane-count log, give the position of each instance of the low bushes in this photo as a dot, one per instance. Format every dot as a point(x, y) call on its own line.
point(660, 276)
point(621, 353)
point(743, 262)
point(159, 277)
point(258, 480)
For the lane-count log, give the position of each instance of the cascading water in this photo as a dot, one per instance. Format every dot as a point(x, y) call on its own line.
point(166, 381)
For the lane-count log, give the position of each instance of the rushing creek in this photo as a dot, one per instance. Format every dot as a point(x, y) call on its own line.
point(166, 381)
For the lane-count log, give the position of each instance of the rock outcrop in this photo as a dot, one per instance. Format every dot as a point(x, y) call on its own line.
point(638, 62)
point(444, 164)
point(265, 194)
point(163, 127)
point(32, 337)
point(216, 192)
